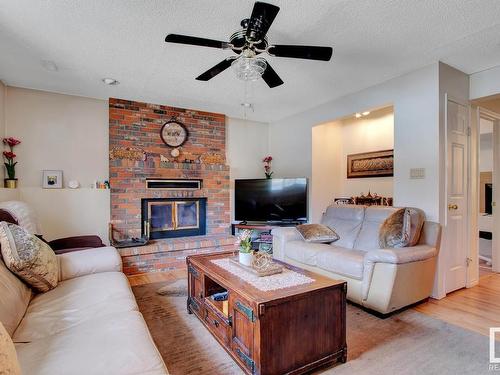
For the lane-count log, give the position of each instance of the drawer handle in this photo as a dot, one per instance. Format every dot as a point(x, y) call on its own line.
point(201, 295)
point(216, 323)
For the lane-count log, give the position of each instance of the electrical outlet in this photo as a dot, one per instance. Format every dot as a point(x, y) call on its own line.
point(417, 173)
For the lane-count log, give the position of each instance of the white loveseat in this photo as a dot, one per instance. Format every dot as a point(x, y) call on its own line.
point(383, 280)
point(89, 324)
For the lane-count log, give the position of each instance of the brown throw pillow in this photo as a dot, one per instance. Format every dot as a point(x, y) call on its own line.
point(402, 228)
point(28, 257)
point(318, 233)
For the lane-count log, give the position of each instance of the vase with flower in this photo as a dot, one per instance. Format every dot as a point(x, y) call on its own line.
point(10, 164)
point(244, 243)
point(267, 166)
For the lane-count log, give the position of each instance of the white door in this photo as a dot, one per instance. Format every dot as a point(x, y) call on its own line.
point(457, 128)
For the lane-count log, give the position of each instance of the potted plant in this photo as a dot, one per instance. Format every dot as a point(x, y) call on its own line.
point(244, 242)
point(267, 166)
point(10, 164)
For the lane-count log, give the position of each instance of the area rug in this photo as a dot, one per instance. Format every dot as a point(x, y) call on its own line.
point(405, 343)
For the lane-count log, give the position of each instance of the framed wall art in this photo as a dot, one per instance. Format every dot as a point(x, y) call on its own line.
point(52, 179)
point(371, 164)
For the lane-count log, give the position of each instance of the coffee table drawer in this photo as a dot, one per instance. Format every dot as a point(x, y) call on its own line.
point(217, 325)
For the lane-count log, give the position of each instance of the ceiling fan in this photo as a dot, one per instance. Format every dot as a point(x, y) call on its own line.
point(248, 43)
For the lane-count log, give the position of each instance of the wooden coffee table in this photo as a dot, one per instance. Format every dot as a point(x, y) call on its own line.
point(283, 331)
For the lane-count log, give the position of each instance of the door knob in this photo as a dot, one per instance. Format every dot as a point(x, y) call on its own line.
point(452, 207)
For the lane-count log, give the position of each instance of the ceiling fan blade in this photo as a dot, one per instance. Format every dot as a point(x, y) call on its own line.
point(262, 17)
point(271, 77)
point(302, 52)
point(213, 71)
point(195, 41)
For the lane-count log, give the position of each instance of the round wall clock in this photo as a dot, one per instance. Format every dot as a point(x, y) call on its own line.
point(174, 133)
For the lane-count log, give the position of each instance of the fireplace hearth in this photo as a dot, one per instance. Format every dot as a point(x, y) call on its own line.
point(173, 217)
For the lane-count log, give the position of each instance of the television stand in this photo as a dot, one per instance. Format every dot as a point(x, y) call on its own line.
point(262, 239)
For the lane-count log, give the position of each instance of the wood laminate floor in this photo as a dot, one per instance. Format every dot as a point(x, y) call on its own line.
point(476, 309)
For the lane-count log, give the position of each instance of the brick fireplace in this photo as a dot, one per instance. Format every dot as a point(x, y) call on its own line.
point(149, 185)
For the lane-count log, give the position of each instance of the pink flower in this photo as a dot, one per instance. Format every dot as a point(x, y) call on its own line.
point(9, 155)
point(11, 141)
point(267, 159)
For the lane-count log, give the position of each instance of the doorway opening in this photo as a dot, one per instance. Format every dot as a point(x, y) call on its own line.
point(488, 188)
point(485, 218)
point(352, 160)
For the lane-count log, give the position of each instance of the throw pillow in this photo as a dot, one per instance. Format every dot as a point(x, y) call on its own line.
point(318, 233)
point(28, 257)
point(8, 357)
point(402, 228)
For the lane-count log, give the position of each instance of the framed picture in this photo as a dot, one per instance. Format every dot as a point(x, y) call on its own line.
point(371, 164)
point(52, 179)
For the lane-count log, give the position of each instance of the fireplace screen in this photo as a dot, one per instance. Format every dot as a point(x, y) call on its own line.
point(173, 215)
point(169, 217)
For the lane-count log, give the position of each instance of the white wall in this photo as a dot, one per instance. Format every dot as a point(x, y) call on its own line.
point(67, 212)
point(486, 153)
point(414, 97)
point(57, 131)
point(326, 159)
point(246, 146)
point(63, 132)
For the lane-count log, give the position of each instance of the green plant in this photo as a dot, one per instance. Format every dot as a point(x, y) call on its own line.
point(244, 241)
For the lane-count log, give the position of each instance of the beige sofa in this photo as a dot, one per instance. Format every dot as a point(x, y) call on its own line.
point(88, 324)
point(383, 280)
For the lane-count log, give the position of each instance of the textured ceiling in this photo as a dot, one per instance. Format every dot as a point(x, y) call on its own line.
point(123, 39)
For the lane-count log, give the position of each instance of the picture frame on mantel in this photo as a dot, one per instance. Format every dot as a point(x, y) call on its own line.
point(371, 164)
point(52, 179)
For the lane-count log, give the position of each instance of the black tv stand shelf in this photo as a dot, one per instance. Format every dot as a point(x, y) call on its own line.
point(260, 228)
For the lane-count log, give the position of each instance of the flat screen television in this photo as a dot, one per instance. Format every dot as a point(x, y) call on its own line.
point(271, 200)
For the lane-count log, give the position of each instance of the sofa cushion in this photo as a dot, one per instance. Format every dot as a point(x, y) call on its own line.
point(88, 261)
point(9, 365)
point(74, 302)
point(29, 257)
point(14, 299)
point(347, 262)
point(402, 228)
point(346, 220)
point(317, 233)
point(368, 238)
point(305, 252)
point(111, 344)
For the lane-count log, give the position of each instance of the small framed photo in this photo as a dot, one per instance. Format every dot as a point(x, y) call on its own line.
point(52, 179)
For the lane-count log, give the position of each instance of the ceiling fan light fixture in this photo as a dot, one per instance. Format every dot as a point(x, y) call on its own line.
point(249, 68)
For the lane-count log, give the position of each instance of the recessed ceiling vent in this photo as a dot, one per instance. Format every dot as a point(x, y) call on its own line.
point(173, 184)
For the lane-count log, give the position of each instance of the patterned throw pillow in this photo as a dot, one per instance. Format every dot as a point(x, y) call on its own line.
point(28, 257)
point(8, 357)
point(318, 233)
point(402, 228)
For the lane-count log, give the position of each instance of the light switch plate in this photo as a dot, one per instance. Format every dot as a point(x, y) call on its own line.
point(417, 173)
